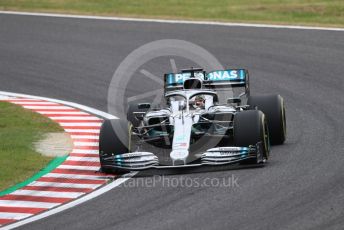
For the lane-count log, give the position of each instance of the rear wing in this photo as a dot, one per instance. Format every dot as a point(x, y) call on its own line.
point(218, 79)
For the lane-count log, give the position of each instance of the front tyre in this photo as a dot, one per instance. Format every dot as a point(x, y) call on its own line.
point(249, 128)
point(114, 139)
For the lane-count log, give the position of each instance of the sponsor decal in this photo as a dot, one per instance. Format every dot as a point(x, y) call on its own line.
point(179, 78)
point(226, 75)
point(180, 145)
point(180, 138)
point(220, 75)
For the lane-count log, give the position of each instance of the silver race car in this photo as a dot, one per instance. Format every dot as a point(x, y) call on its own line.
point(208, 119)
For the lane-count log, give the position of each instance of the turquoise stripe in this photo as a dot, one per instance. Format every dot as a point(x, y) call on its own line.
point(50, 167)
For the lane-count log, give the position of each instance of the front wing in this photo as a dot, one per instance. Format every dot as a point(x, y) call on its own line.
point(137, 161)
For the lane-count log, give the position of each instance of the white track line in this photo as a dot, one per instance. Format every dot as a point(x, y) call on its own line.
point(91, 159)
point(174, 21)
point(15, 216)
point(42, 107)
point(85, 151)
point(86, 143)
point(79, 167)
point(63, 185)
point(33, 103)
point(74, 118)
point(58, 112)
point(77, 176)
point(82, 130)
point(24, 99)
point(27, 204)
point(84, 137)
point(64, 194)
point(81, 124)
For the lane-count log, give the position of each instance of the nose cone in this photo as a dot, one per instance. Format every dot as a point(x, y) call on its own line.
point(179, 155)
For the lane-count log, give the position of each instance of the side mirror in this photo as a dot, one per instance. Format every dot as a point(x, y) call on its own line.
point(144, 106)
point(234, 100)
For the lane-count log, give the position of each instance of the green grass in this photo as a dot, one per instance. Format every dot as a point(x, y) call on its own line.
point(300, 12)
point(19, 129)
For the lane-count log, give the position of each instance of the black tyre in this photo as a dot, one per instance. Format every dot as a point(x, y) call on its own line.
point(249, 128)
point(132, 108)
point(114, 139)
point(273, 107)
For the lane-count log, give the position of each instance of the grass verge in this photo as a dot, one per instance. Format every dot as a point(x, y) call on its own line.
point(19, 129)
point(299, 12)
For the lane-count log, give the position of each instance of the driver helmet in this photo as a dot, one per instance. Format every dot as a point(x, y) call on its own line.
point(199, 102)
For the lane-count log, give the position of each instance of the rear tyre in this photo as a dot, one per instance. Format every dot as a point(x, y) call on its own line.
point(249, 128)
point(114, 139)
point(273, 107)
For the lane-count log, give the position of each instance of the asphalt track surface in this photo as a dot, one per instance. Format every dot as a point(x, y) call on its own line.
point(300, 188)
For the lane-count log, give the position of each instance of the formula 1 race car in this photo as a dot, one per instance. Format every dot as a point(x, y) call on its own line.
point(208, 119)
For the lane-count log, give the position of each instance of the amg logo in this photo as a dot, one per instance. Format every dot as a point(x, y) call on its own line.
point(223, 75)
